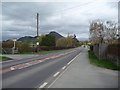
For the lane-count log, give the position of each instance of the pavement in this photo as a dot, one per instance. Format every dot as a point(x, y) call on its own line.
point(81, 74)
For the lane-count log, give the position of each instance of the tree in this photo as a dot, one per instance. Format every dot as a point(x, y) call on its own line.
point(39, 39)
point(48, 40)
point(103, 32)
point(69, 41)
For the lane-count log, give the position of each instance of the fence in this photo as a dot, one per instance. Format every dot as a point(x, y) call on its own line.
point(8, 50)
point(108, 52)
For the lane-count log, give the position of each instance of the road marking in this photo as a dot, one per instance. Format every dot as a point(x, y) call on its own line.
point(20, 66)
point(56, 74)
point(61, 74)
point(12, 68)
point(68, 63)
point(28, 63)
point(43, 85)
point(64, 67)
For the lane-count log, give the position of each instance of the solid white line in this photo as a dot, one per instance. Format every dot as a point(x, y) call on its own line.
point(64, 67)
point(56, 74)
point(43, 85)
point(60, 74)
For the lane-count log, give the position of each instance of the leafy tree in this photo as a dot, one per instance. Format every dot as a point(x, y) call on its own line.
point(48, 40)
point(69, 41)
point(39, 39)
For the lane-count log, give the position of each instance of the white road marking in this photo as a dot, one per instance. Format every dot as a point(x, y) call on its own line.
point(28, 63)
point(64, 67)
point(68, 63)
point(43, 85)
point(21, 67)
point(61, 73)
point(56, 74)
point(12, 68)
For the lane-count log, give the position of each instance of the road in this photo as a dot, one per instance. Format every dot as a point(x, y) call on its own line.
point(33, 72)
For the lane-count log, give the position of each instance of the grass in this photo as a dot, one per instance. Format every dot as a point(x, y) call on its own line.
point(44, 52)
point(101, 63)
point(3, 58)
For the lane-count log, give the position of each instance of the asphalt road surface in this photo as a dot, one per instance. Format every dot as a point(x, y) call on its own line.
point(33, 72)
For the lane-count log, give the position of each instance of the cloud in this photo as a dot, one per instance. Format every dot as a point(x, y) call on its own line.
point(19, 18)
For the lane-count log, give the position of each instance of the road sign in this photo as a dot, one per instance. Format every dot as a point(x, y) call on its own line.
point(14, 39)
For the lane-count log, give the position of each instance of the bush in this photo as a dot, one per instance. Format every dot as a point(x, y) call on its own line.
point(24, 47)
point(48, 40)
point(91, 47)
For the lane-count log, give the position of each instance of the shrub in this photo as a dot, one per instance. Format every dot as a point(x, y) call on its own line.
point(91, 47)
point(48, 40)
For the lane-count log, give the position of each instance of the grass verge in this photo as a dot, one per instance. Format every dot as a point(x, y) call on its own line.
point(45, 52)
point(3, 58)
point(101, 63)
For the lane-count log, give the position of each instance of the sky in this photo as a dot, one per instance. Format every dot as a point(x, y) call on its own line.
point(19, 18)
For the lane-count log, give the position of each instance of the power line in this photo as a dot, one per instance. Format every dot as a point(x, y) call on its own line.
point(66, 9)
point(57, 12)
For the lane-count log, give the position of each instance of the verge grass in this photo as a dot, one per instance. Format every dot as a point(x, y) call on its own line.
point(3, 58)
point(102, 63)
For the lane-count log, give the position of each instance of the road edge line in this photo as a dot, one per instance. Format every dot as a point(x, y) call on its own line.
point(62, 72)
point(43, 85)
point(56, 74)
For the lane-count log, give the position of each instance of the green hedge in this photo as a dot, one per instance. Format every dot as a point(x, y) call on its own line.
point(91, 47)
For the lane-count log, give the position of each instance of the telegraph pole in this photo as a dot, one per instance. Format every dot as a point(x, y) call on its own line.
point(37, 31)
point(37, 24)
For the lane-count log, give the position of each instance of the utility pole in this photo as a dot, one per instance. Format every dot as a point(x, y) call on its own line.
point(37, 24)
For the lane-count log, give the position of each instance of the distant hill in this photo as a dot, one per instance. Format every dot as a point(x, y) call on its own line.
point(27, 39)
point(57, 35)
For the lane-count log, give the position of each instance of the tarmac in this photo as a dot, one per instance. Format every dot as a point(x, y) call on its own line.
point(81, 74)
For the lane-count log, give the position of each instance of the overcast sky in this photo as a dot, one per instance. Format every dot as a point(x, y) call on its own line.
point(19, 19)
